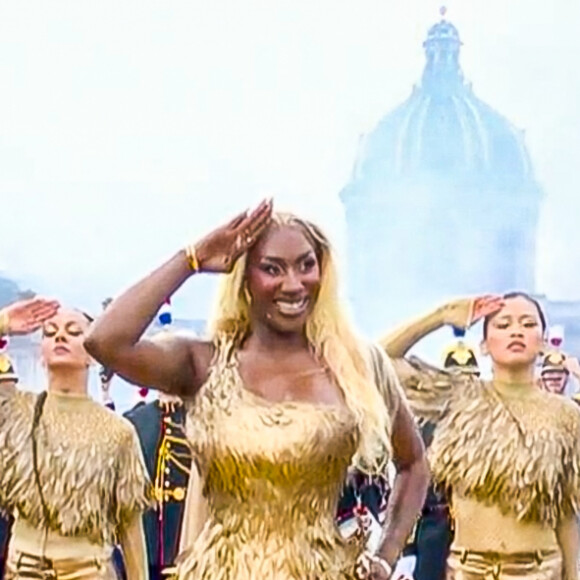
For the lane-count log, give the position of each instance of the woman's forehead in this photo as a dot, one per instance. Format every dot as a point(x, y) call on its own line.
point(284, 241)
point(518, 306)
point(68, 315)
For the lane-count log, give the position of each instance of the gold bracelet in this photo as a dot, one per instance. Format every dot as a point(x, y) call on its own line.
point(4, 324)
point(363, 566)
point(384, 565)
point(192, 260)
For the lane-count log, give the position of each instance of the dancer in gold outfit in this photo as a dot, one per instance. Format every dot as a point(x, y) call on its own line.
point(71, 471)
point(279, 403)
point(507, 452)
point(8, 381)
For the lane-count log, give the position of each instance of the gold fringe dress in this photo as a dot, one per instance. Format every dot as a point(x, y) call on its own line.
point(511, 465)
point(272, 474)
point(93, 481)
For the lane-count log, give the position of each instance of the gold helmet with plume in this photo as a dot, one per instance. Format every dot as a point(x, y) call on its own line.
point(459, 356)
point(7, 372)
point(554, 359)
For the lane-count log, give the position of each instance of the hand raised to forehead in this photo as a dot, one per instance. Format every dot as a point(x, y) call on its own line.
point(465, 312)
point(219, 250)
point(26, 316)
point(485, 306)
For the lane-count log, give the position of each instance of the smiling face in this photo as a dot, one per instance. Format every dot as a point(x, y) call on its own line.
point(62, 340)
point(514, 336)
point(283, 279)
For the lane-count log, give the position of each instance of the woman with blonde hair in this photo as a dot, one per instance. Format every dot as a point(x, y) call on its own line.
point(280, 401)
point(506, 451)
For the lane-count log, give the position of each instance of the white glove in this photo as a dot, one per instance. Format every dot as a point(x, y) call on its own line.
point(404, 568)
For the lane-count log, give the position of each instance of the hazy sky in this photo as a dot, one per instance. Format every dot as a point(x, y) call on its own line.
point(129, 128)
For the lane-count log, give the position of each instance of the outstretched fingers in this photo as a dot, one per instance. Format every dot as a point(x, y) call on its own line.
point(237, 220)
point(34, 308)
point(44, 308)
point(491, 304)
point(43, 311)
point(251, 228)
point(487, 305)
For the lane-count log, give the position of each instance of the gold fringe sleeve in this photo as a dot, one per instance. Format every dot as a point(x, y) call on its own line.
point(521, 455)
point(133, 489)
point(388, 382)
point(16, 408)
point(571, 461)
point(429, 390)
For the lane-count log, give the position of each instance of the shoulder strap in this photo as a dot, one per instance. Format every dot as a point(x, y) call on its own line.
point(375, 361)
point(38, 407)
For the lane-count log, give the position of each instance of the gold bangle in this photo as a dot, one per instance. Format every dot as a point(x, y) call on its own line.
point(192, 260)
point(4, 323)
point(363, 566)
point(384, 565)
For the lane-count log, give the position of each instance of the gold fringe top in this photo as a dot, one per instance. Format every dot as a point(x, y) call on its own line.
point(91, 467)
point(519, 453)
point(272, 475)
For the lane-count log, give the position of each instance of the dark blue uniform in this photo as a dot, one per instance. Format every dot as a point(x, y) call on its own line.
point(168, 459)
point(434, 531)
point(372, 493)
point(5, 526)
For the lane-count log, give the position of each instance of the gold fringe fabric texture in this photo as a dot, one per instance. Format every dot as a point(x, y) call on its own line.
point(272, 473)
point(520, 454)
point(92, 472)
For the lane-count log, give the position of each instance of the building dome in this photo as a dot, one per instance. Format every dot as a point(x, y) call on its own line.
point(443, 129)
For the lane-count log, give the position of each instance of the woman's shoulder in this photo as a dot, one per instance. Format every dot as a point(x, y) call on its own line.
point(204, 351)
point(14, 401)
point(115, 428)
point(564, 409)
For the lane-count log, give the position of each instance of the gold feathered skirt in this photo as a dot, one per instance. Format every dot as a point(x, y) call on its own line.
point(470, 565)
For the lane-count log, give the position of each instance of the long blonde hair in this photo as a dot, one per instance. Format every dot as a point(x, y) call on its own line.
point(331, 336)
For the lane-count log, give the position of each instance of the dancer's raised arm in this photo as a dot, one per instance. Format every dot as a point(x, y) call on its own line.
point(461, 313)
point(173, 364)
point(427, 387)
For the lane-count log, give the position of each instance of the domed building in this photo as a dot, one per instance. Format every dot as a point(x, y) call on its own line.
point(442, 200)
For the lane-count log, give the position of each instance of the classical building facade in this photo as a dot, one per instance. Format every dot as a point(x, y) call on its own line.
point(442, 200)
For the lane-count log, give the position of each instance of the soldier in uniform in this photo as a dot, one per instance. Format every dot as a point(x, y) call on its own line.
point(433, 534)
point(554, 374)
point(160, 425)
point(8, 380)
point(558, 367)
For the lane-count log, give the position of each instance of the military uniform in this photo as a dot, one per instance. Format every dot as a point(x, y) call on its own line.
point(362, 490)
point(8, 379)
point(433, 533)
point(160, 426)
point(5, 527)
point(554, 374)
